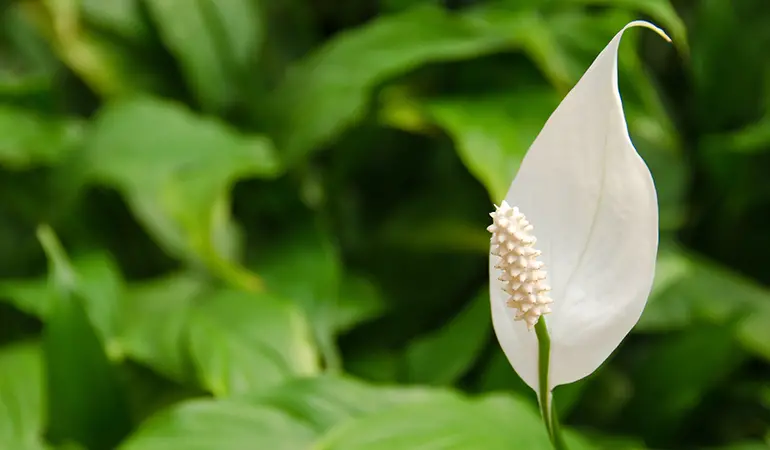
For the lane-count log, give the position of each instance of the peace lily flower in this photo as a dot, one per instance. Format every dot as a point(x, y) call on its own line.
point(575, 239)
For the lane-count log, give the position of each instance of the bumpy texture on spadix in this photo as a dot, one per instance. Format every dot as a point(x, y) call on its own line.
point(522, 275)
point(593, 204)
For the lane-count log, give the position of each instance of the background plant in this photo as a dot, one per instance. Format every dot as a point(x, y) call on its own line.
point(265, 222)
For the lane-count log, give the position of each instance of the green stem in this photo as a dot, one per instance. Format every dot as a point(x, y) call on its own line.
point(557, 439)
point(543, 359)
point(544, 395)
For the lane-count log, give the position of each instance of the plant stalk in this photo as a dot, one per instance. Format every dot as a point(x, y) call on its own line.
point(547, 410)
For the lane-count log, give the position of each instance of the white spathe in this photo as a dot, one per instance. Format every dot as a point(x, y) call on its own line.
point(592, 203)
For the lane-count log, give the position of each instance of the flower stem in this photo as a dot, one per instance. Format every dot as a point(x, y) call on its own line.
point(557, 439)
point(544, 395)
point(543, 355)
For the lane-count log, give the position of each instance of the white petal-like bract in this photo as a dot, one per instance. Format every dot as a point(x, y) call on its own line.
point(592, 203)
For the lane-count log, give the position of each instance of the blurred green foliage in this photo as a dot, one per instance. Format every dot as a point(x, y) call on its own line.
point(270, 222)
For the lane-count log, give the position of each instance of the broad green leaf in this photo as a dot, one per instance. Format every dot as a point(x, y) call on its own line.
point(155, 323)
point(667, 308)
point(750, 140)
point(442, 357)
point(754, 330)
point(323, 402)
point(726, 31)
point(745, 446)
point(690, 289)
point(220, 425)
point(32, 296)
point(243, 342)
point(374, 364)
point(399, 5)
point(240, 30)
point(21, 397)
point(567, 396)
point(28, 139)
point(493, 133)
point(671, 372)
point(96, 279)
point(101, 286)
point(506, 406)
point(498, 375)
point(29, 64)
point(447, 423)
point(337, 78)
point(359, 300)
point(106, 67)
point(667, 165)
point(212, 40)
point(122, 17)
point(85, 401)
point(303, 266)
point(237, 342)
point(176, 170)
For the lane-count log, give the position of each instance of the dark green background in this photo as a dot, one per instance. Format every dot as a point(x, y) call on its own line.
point(260, 224)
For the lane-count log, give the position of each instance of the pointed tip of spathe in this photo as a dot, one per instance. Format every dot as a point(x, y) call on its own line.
point(644, 23)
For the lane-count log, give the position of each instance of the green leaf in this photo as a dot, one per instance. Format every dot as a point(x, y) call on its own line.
point(337, 78)
point(155, 323)
point(567, 396)
point(21, 396)
point(728, 31)
point(754, 331)
point(447, 423)
point(689, 289)
point(323, 402)
point(212, 40)
point(373, 364)
point(220, 425)
point(667, 308)
point(751, 140)
point(107, 67)
point(442, 357)
point(498, 375)
point(100, 285)
point(303, 266)
point(492, 133)
point(745, 446)
point(122, 17)
point(671, 372)
point(175, 170)
point(236, 341)
point(243, 342)
point(240, 31)
point(97, 281)
point(28, 139)
point(85, 400)
point(29, 64)
point(359, 300)
point(32, 296)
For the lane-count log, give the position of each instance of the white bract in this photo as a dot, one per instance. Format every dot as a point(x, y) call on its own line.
point(587, 196)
